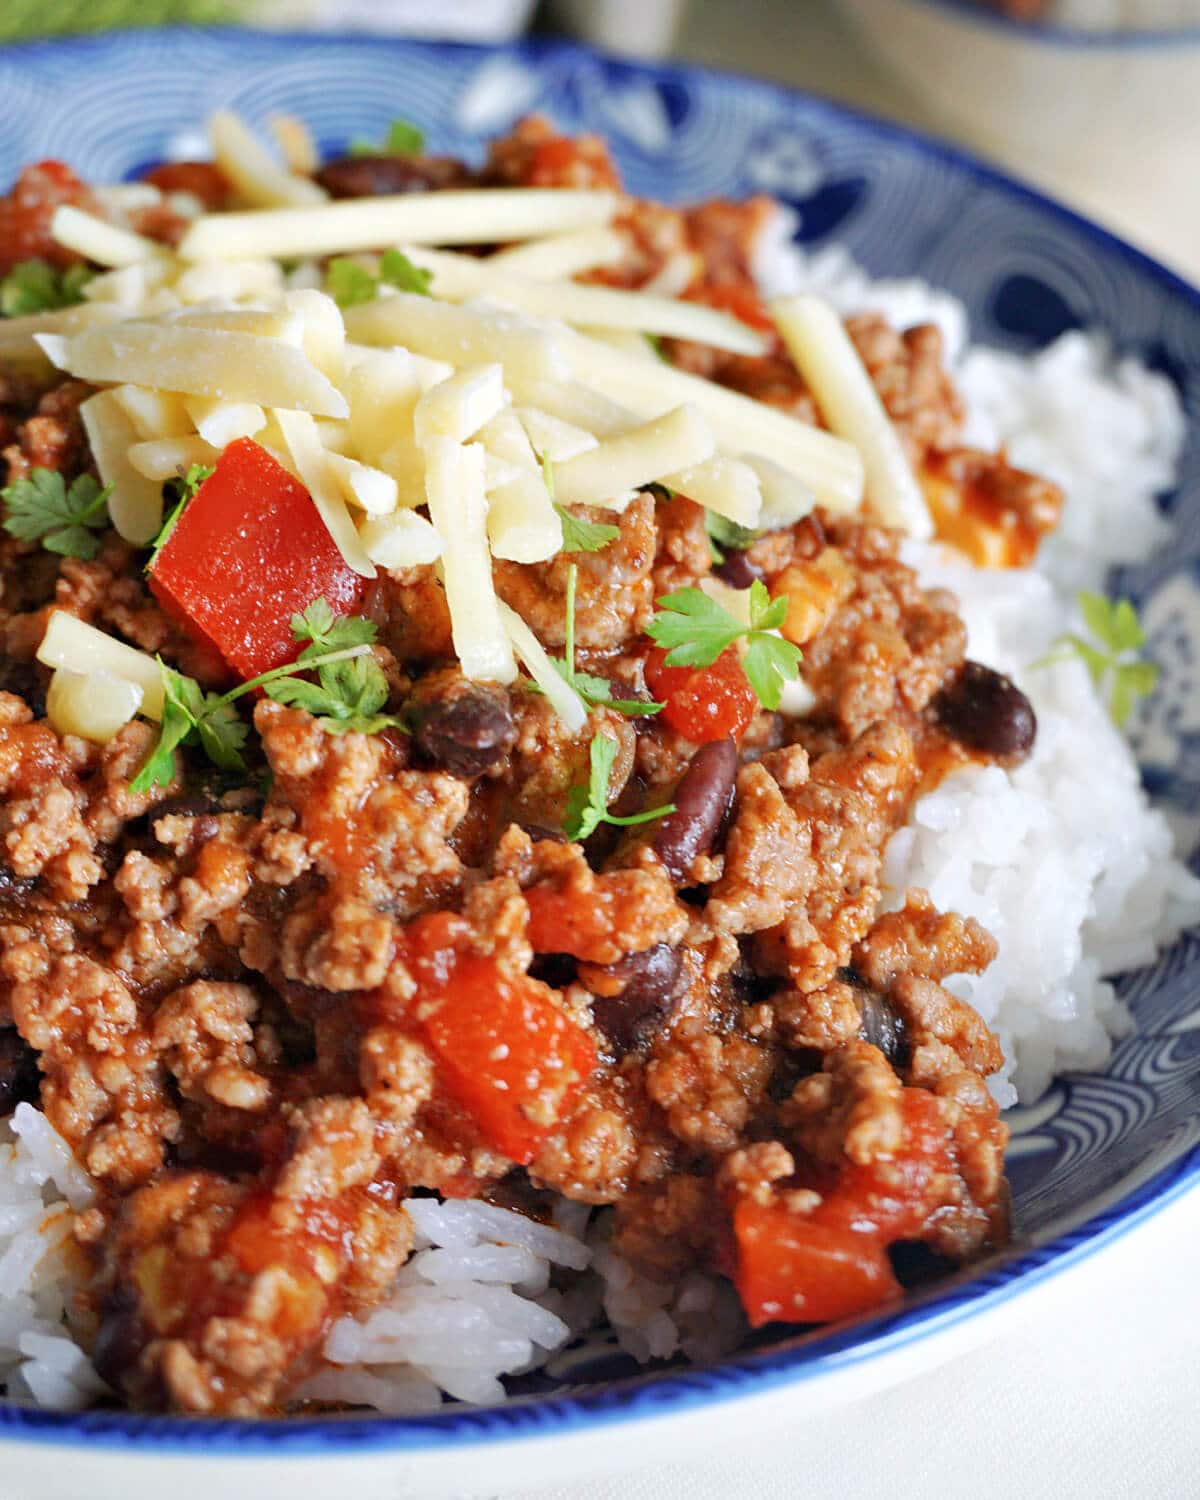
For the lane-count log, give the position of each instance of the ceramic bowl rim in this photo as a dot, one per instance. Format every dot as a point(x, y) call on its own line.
point(1067, 37)
point(741, 1376)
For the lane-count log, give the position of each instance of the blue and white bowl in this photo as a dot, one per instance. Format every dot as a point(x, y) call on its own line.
point(1100, 1153)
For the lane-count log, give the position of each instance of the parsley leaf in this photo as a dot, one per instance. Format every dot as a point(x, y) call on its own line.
point(36, 286)
point(695, 630)
point(397, 270)
point(348, 694)
point(350, 284)
point(595, 691)
point(587, 806)
point(1113, 665)
point(578, 535)
point(181, 491)
point(403, 138)
point(725, 536)
point(42, 509)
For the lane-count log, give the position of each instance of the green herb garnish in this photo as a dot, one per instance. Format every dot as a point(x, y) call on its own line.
point(179, 492)
point(1113, 665)
point(35, 286)
point(350, 284)
point(695, 630)
point(403, 138)
point(578, 535)
point(349, 692)
point(596, 692)
point(587, 806)
point(725, 536)
point(40, 508)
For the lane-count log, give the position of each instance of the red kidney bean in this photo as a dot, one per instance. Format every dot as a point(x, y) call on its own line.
point(739, 570)
point(467, 728)
point(701, 799)
point(987, 711)
point(648, 983)
point(378, 176)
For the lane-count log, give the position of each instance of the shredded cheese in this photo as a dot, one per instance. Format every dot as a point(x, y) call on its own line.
point(135, 504)
point(478, 334)
point(824, 354)
point(523, 525)
point(93, 705)
point(295, 142)
point(324, 335)
point(463, 217)
point(98, 240)
point(724, 485)
point(675, 441)
point(785, 499)
point(563, 698)
point(223, 422)
point(457, 408)
point(561, 256)
point(383, 388)
point(228, 281)
point(366, 488)
point(154, 414)
point(552, 437)
point(462, 277)
point(401, 540)
point(165, 458)
point(69, 643)
point(304, 445)
point(251, 169)
point(458, 509)
point(830, 465)
point(199, 362)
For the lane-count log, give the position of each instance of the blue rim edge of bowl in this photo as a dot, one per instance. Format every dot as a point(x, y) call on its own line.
point(652, 1395)
point(1131, 38)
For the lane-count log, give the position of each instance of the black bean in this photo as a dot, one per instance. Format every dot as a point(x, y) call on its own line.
point(701, 799)
point(883, 1026)
point(739, 570)
point(19, 1079)
point(377, 176)
point(539, 833)
point(120, 1339)
point(467, 728)
point(649, 980)
point(987, 711)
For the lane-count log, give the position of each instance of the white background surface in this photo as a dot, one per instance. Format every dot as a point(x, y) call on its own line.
point(1100, 1398)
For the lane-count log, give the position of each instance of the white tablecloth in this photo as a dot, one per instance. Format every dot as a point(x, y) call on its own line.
point(1100, 1400)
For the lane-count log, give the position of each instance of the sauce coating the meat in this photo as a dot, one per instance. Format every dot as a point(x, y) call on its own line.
point(264, 1009)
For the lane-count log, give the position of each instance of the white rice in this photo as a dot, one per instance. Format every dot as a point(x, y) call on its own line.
point(1062, 859)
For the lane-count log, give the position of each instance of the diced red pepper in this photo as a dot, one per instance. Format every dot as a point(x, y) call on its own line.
point(703, 703)
point(248, 553)
point(26, 212)
point(505, 1051)
point(832, 1263)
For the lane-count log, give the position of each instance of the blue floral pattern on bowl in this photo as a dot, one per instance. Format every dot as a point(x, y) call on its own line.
point(1099, 1153)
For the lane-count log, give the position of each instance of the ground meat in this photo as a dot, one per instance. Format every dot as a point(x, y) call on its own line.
point(237, 987)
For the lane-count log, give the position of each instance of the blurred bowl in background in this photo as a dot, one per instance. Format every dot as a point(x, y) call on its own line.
point(1109, 119)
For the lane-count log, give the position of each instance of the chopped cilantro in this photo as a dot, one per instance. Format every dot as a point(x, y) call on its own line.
point(725, 536)
point(1113, 664)
point(349, 692)
point(180, 492)
point(578, 535)
point(695, 630)
point(349, 283)
point(40, 508)
point(403, 138)
point(587, 806)
point(596, 692)
point(35, 286)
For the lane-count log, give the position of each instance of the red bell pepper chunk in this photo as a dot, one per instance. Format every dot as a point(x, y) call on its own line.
point(505, 1051)
point(248, 553)
point(791, 1269)
point(703, 703)
point(832, 1263)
